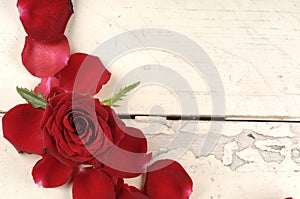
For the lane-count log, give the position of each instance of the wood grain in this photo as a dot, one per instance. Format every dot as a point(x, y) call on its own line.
point(254, 45)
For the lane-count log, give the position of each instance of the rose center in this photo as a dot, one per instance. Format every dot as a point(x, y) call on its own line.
point(80, 125)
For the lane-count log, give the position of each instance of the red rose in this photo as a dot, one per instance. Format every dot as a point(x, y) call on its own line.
point(80, 130)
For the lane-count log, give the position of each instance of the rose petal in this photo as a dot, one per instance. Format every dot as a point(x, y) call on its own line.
point(45, 20)
point(46, 85)
point(45, 59)
point(84, 74)
point(50, 147)
point(116, 124)
point(49, 172)
point(21, 127)
point(129, 158)
point(90, 183)
point(134, 141)
point(130, 192)
point(167, 179)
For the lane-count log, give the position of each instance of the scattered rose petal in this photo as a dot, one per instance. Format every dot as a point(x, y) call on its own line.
point(46, 19)
point(49, 172)
point(84, 74)
point(21, 127)
point(45, 59)
point(129, 158)
point(90, 183)
point(46, 85)
point(167, 179)
point(130, 192)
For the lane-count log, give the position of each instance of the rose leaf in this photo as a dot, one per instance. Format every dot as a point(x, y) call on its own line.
point(36, 100)
point(119, 96)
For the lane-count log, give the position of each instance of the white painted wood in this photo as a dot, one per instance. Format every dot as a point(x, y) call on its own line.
point(254, 45)
point(250, 160)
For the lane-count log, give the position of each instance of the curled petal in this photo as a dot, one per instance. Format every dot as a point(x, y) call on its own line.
point(49, 172)
point(44, 20)
point(45, 59)
point(130, 192)
point(21, 127)
point(46, 85)
point(90, 183)
point(167, 179)
point(84, 74)
point(129, 158)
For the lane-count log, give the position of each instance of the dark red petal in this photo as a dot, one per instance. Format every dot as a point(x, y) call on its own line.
point(46, 85)
point(90, 183)
point(116, 124)
point(129, 158)
point(46, 19)
point(85, 74)
point(167, 179)
point(21, 127)
point(134, 141)
point(45, 59)
point(50, 147)
point(130, 192)
point(49, 172)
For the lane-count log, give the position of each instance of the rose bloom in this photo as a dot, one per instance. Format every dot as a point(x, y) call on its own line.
point(76, 135)
point(79, 138)
point(81, 130)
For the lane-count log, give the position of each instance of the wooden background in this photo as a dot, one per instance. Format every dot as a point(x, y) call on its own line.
point(254, 44)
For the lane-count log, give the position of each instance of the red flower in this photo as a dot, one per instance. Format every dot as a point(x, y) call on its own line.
point(167, 179)
point(45, 20)
point(80, 130)
point(76, 129)
point(45, 59)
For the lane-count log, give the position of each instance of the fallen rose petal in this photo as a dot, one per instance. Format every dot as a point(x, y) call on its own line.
point(45, 20)
point(130, 192)
point(46, 85)
point(45, 59)
point(84, 74)
point(21, 127)
point(90, 183)
point(167, 179)
point(49, 172)
point(129, 158)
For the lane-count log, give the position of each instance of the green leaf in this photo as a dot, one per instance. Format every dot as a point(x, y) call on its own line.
point(119, 96)
point(36, 100)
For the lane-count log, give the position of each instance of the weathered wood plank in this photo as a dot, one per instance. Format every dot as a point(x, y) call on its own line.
point(254, 44)
point(250, 160)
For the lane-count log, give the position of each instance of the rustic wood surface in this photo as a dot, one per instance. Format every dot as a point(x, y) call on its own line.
point(254, 44)
point(250, 160)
